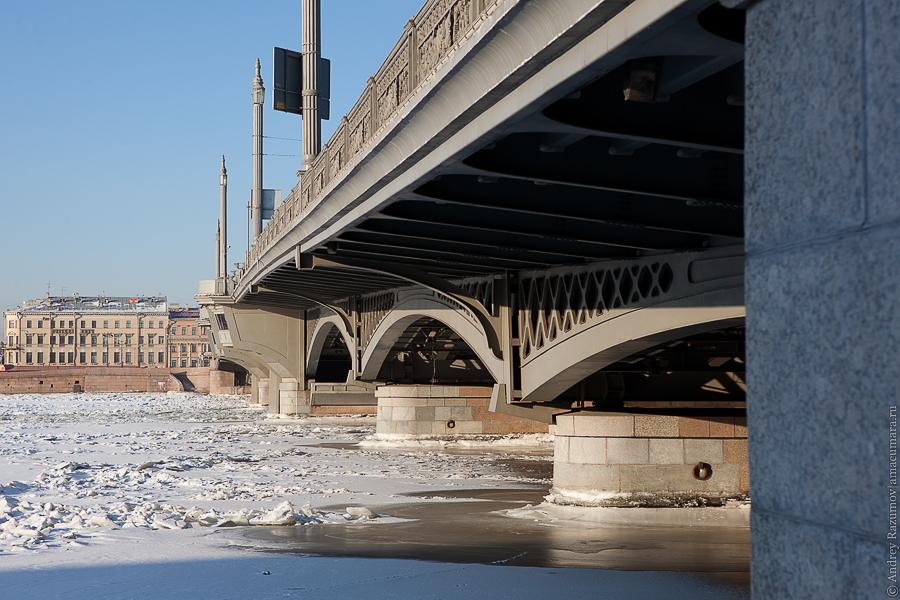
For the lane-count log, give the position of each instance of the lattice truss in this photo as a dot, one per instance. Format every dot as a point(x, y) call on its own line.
point(482, 289)
point(372, 309)
point(555, 304)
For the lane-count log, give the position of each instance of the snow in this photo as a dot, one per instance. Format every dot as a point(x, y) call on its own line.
point(126, 495)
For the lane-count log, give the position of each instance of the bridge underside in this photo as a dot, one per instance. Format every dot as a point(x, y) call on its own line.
point(564, 230)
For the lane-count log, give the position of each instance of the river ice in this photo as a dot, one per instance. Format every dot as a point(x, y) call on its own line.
point(126, 495)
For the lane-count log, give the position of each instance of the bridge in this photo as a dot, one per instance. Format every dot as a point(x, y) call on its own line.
point(535, 215)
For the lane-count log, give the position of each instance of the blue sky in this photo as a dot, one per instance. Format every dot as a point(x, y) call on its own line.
point(115, 116)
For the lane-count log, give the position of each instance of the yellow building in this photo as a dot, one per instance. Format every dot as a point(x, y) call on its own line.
point(89, 331)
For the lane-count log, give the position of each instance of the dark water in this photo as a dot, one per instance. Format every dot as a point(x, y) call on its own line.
point(469, 531)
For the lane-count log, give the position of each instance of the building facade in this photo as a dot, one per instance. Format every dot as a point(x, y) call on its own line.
point(188, 341)
point(94, 332)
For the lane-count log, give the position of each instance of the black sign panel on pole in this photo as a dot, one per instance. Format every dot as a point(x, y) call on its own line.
point(287, 82)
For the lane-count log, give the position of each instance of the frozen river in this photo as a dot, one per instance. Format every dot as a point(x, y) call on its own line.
point(191, 496)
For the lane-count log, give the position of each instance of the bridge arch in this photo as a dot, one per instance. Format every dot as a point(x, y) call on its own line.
point(433, 306)
point(325, 327)
point(256, 366)
point(578, 356)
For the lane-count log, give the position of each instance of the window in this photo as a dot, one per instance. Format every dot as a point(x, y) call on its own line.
point(183, 348)
point(71, 324)
point(150, 339)
point(81, 357)
point(93, 358)
point(40, 339)
point(117, 325)
point(193, 362)
point(221, 322)
point(52, 357)
point(70, 358)
point(159, 340)
point(52, 339)
point(117, 357)
point(81, 340)
point(128, 357)
point(140, 340)
point(172, 348)
point(71, 340)
point(28, 338)
point(105, 324)
point(105, 358)
point(82, 326)
point(183, 362)
point(40, 324)
point(205, 363)
point(174, 363)
point(193, 331)
point(28, 324)
point(12, 323)
point(128, 324)
point(174, 331)
point(184, 331)
point(117, 339)
point(93, 340)
point(93, 324)
point(150, 357)
point(52, 323)
point(127, 339)
point(150, 324)
point(193, 348)
point(140, 358)
point(28, 358)
point(40, 358)
point(162, 358)
point(161, 326)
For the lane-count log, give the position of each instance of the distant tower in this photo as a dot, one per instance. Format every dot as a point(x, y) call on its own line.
point(259, 96)
point(312, 49)
point(222, 255)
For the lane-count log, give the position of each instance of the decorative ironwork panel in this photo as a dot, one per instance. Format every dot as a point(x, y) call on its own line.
point(312, 320)
point(372, 309)
point(441, 28)
point(558, 302)
point(481, 288)
point(392, 82)
point(358, 120)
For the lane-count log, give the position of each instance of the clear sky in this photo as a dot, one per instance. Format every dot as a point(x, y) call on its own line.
point(115, 116)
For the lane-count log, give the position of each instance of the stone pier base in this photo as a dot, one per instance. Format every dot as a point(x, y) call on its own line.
point(611, 459)
point(437, 411)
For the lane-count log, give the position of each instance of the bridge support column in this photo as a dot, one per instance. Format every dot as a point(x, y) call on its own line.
point(439, 411)
point(822, 219)
point(291, 399)
point(274, 390)
point(626, 460)
point(260, 391)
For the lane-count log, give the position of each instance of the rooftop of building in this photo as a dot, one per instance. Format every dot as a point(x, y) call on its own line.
point(95, 304)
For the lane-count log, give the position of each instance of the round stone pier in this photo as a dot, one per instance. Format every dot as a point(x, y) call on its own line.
point(627, 460)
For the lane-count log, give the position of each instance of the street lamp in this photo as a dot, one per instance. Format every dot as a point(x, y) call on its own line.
point(258, 95)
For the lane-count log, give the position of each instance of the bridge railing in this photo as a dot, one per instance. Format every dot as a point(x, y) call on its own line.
point(429, 38)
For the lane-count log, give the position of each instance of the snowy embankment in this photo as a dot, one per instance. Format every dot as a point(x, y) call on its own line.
point(79, 462)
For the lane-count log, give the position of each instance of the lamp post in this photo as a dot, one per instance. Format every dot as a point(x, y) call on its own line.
point(222, 242)
point(259, 97)
point(312, 49)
